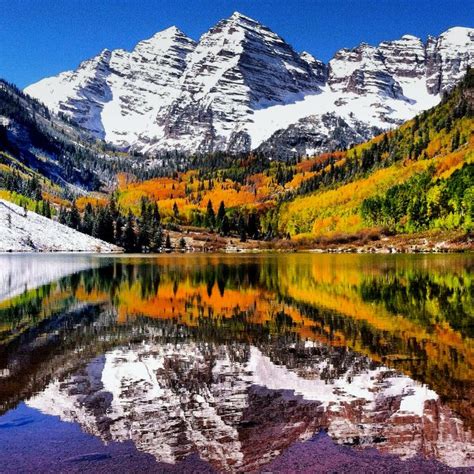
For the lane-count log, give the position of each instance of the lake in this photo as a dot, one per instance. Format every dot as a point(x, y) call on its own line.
point(236, 363)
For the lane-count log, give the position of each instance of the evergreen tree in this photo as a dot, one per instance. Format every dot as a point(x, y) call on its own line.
point(74, 217)
point(220, 214)
point(242, 230)
point(119, 225)
point(129, 242)
point(63, 216)
point(210, 216)
point(225, 226)
point(156, 240)
point(47, 209)
point(88, 219)
point(175, 211)
point(104, 225)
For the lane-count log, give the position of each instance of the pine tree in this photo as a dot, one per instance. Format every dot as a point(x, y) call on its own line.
point(74, 217)
point(88, 219)
point(156, 240)
point(63, 216)
point(242, 229)
point(119, 224)
point(47, 209)
point(225, 226)
point(104, 225)
point(168, 242)
point(220, 214)
point(129, 239)
point(210, 216)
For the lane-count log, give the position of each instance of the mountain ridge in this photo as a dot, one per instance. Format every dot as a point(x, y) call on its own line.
point(241, 83)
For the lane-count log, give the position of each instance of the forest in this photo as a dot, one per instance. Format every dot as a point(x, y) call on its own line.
point(414, 178)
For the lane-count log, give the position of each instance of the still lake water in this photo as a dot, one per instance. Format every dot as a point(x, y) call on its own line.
point(274, 363)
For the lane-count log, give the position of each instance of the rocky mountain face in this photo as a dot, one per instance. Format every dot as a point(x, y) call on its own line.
point(317, 134)
point(238, 406)
point(118, 94)
point(241, 87)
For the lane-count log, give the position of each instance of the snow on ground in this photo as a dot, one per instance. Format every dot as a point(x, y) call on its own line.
point(35, 233)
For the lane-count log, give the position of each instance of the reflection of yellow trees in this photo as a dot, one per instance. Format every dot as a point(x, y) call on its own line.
point(417, 338)
point(17, 314)
point(187, 303)
point(413, 312)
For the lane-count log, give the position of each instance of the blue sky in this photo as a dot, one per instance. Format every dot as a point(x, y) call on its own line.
point(40, 38)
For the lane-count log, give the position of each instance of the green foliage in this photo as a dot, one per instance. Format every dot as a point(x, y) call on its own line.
point(423, 202)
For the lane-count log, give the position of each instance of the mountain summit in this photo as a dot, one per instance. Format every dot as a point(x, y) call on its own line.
point(242, 87)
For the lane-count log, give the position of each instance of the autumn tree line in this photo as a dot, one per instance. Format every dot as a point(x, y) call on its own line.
point(146, 231)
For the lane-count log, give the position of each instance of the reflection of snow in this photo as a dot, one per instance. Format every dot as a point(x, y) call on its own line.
point(19, 273)
point(172, 400)
point(368, 386)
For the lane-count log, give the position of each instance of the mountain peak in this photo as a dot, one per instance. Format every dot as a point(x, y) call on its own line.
point(410, 38)
point(239, 16)
point(173, 93)
point(170, 32)
point(458, 35)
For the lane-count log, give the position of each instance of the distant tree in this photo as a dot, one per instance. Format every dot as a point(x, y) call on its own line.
point(225, 226)
point(104, 225)
point(210, 216)
point(220, 214)
point(175, 210)
point(168, 242)
point(47, 209)
point(74, 217)
point(129, 241)
point(242, 229)
point(88, 219)
point(63, 216)
point(156, 240)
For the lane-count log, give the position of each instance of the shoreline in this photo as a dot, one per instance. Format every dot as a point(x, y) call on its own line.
point(201, 242)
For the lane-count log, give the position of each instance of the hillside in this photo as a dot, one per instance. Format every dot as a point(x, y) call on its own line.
point(415, 180)
point(22, 231)
point(418, 177)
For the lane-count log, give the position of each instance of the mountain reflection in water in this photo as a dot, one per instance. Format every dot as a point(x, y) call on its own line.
point(237, 358)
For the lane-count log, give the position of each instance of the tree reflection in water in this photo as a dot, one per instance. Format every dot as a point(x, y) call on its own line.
point(219, 354)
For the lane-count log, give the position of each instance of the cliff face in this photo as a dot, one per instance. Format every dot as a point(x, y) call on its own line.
point(241, 83)
point(239, 406)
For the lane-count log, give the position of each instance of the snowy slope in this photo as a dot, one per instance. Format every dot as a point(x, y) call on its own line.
point(242, 82)
point(37, 233)
point(175, 399)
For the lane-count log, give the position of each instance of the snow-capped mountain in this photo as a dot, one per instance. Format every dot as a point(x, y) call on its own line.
point(118, 94)
point(239, 406)
point(241, 83)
